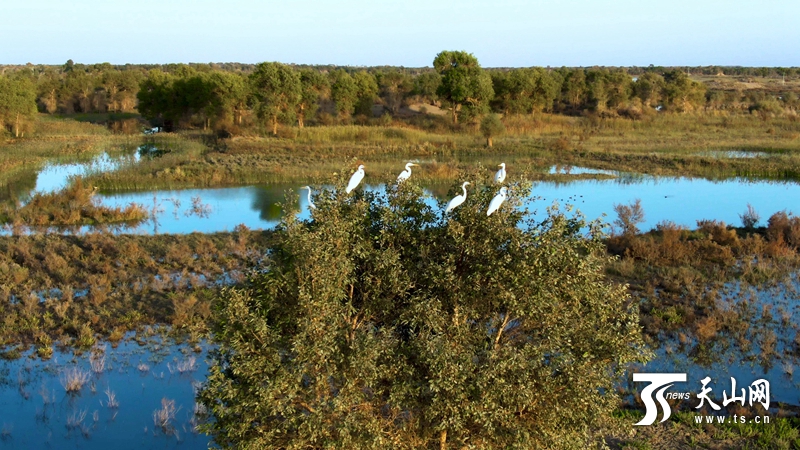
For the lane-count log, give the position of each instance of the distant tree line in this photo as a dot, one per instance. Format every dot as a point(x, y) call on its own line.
point(232, 96)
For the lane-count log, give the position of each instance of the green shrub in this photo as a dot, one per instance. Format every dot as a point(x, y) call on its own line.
point(382, 324)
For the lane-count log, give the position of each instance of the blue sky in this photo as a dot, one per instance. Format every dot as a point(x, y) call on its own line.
point(403, 33)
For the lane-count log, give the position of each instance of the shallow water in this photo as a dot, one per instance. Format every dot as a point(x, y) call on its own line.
point(767, 309)
point(679, 199)
point(54, 177)
point(36, 411)
point(734, 154)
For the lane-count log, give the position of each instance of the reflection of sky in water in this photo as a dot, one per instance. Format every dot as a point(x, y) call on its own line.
point(56, 176)
point(32, 424)
point(681, 200)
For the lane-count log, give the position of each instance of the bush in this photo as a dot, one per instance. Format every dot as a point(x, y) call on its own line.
point(750, 218)
point(381, 324)
point(784, 229)
point(628, 217)
point(491, 126)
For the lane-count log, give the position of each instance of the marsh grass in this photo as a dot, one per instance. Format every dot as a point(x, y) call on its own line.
point(73, 379)
point(662, 144)
point(112, 402)
point(184, 366)
point(59, 140)
point(97, 359)
point(164, 417)
point(72, 206)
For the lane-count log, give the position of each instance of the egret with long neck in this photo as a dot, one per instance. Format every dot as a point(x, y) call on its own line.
point(310, 203)
point(404, 175)
point(500, 176)
point(355, 179)
point(458, 199)
point(498, 200)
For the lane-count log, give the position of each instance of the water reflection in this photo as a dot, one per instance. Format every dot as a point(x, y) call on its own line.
point(37, 412)
point(680, 200)
point(54, 177)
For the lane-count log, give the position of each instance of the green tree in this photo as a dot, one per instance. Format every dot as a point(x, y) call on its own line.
point(574, 89)
point(395, 86)
point(618, 88)
point(228, 98)
point(315, 86)
point(491, 126)
point(512, 91)
point(344, 92)
point(649, 87)
point(48, 86)
point(464, 83)
point(121, 87)
point(382, 324)
point(525, 91)
point(155, 98)
point(681, 93)
point(426, 85)
point(277, 91)
point(17, 104)
point(367, 87)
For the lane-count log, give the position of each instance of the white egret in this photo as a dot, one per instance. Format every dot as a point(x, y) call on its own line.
point(310, 203)
point(500, 176)
point(458, 199)
point(406, 173)
point(498, 200)
point(355, 179)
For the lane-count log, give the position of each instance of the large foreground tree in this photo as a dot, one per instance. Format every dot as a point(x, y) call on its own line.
point(381, 324)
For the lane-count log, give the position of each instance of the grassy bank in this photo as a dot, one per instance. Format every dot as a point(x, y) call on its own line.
point(676, 145)
point(59, 140)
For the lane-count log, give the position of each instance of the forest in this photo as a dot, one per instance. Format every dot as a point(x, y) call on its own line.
point(241, 98)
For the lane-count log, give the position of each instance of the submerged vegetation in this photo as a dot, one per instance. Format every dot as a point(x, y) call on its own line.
point(72, 290)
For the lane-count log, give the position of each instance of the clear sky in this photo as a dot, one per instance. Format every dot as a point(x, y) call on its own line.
point(512, 33)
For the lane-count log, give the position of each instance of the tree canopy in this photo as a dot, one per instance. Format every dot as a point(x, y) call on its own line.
point(382, 324)
point(277, 92)
point(464, 84)
point(17, 103)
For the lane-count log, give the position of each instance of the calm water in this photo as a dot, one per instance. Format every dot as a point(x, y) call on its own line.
point(770, 309)
point(679, 199)
point(38, 413)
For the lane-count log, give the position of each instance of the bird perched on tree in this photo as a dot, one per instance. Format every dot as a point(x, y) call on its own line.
point(355, 179)
point(500, 176)
point(404, 175)
point(310, 203)
point(498, 200)
point(458, 199)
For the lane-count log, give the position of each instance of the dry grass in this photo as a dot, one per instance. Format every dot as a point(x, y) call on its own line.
point(187, 365)
point(73, 379)
point(112, 402)
point(163, 418)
